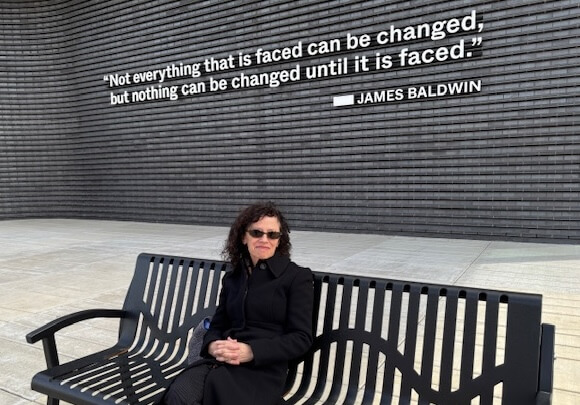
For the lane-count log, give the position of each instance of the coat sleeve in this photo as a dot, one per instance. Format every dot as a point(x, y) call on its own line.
point(297, 337)
point(219, 321)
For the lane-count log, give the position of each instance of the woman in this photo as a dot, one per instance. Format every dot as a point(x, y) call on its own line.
point(264, 316)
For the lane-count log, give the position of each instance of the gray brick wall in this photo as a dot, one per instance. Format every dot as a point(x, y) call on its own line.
point(501, 163)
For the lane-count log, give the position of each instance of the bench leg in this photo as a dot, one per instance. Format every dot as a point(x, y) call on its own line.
point(52, 401)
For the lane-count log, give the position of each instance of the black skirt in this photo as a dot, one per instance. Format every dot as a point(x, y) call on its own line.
point(187, 388)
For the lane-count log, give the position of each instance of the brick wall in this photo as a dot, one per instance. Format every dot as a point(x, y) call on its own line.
point(502, 162)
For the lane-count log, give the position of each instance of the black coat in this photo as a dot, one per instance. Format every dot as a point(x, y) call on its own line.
point(271, 310)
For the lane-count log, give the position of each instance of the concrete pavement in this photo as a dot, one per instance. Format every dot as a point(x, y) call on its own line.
point(52, 267)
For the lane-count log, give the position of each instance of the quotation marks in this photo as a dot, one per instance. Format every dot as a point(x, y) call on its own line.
point(476, 42)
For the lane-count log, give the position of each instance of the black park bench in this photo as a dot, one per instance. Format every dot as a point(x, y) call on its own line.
point(377, 341)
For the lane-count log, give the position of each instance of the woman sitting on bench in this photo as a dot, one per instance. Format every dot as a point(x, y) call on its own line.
point(264, 318)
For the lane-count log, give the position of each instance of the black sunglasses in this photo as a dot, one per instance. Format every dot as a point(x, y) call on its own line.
point(256, 233)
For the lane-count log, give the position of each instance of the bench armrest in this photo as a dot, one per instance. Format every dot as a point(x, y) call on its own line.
point(546, 380)
point(47, 332)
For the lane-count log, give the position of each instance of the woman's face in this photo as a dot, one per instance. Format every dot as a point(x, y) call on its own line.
point(263, 247)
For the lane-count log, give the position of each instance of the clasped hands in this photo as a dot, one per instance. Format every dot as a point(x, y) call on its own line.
point(231, 351)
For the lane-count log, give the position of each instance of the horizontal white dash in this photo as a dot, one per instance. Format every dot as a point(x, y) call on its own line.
point(340, 101)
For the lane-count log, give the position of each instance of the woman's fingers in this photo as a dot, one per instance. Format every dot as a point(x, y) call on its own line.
point(227, 351)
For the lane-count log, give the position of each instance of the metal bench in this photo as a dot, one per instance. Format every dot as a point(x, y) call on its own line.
point(377, 341)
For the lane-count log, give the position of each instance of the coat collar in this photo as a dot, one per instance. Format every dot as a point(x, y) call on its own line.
point(276, 264)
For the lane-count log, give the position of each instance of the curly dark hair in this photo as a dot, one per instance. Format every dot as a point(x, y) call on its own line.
point(235, 251)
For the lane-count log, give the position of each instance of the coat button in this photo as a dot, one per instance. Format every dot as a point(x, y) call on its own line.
point(263, 266)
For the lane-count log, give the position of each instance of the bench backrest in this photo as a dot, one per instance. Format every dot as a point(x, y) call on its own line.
point(167, 298)
point(420, 343)
point(374, 338)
